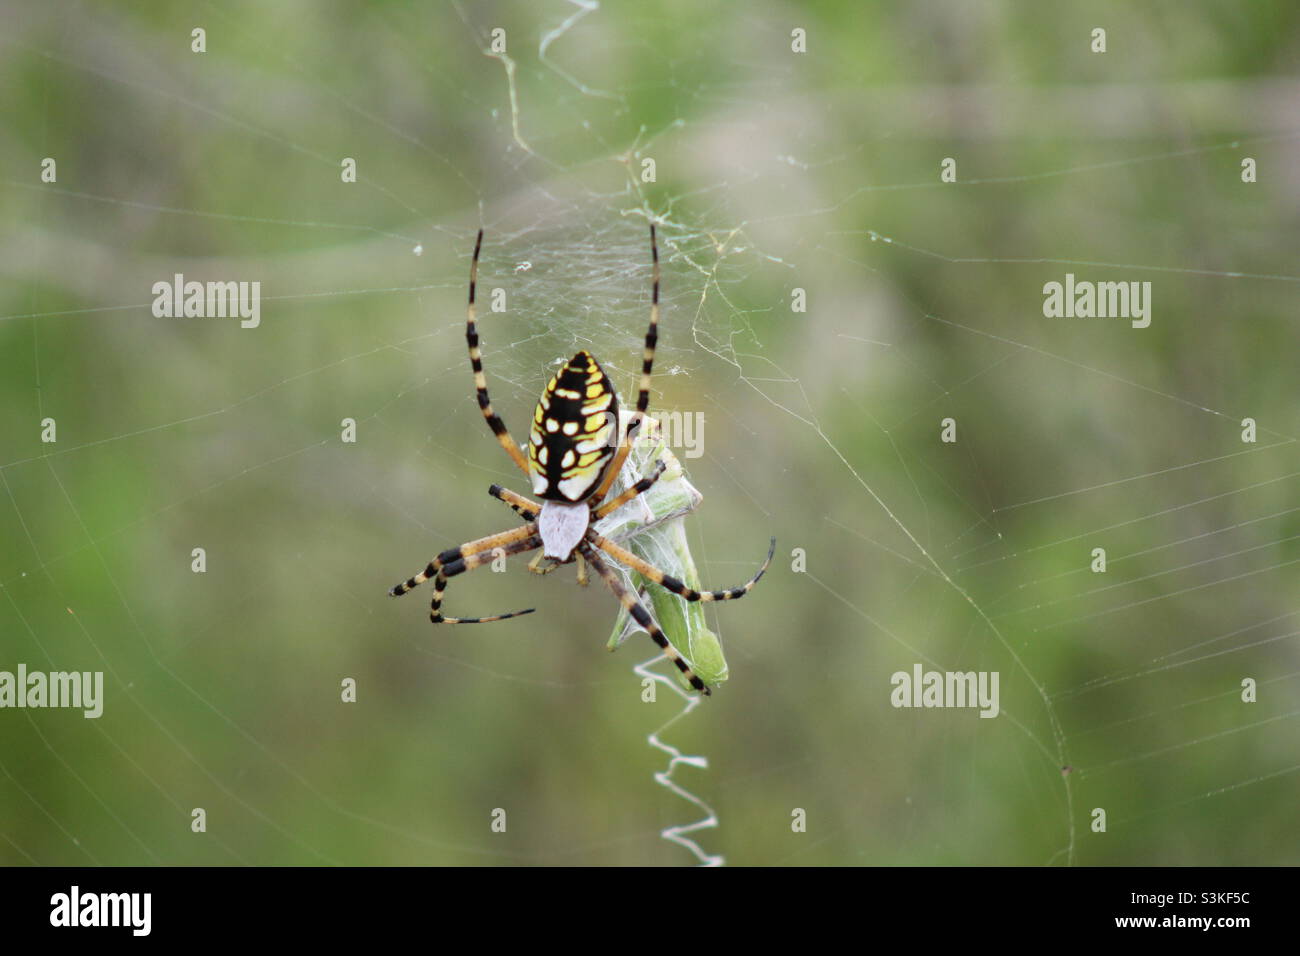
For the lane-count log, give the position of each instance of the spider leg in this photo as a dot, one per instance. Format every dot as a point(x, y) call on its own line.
point(480, 380)
point(643, 396)
point(671, 583)
point(455, 554)
point(641, 616)
point(468, 563)
point(535, 565)
point(616, 463)
point(526, 508)
point(628, 494)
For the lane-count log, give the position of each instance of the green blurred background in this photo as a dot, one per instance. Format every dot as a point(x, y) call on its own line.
point(774, 171)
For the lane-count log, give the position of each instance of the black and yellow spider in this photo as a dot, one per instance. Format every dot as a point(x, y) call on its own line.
point(572, 463)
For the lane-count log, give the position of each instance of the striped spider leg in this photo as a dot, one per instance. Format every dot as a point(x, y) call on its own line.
point(467, 557)
point(670, 583)
point(641, 616)
point(643, 393)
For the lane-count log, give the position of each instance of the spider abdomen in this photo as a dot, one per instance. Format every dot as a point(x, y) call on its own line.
point(573, 434)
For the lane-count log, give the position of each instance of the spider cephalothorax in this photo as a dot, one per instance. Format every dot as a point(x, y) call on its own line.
point(575, 451)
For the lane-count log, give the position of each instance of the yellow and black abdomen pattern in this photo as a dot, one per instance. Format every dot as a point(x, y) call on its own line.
point(574, 433)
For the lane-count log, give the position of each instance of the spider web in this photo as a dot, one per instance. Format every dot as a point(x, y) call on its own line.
point(774, 171)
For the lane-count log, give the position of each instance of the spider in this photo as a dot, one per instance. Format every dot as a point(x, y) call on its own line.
point(572, 462)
